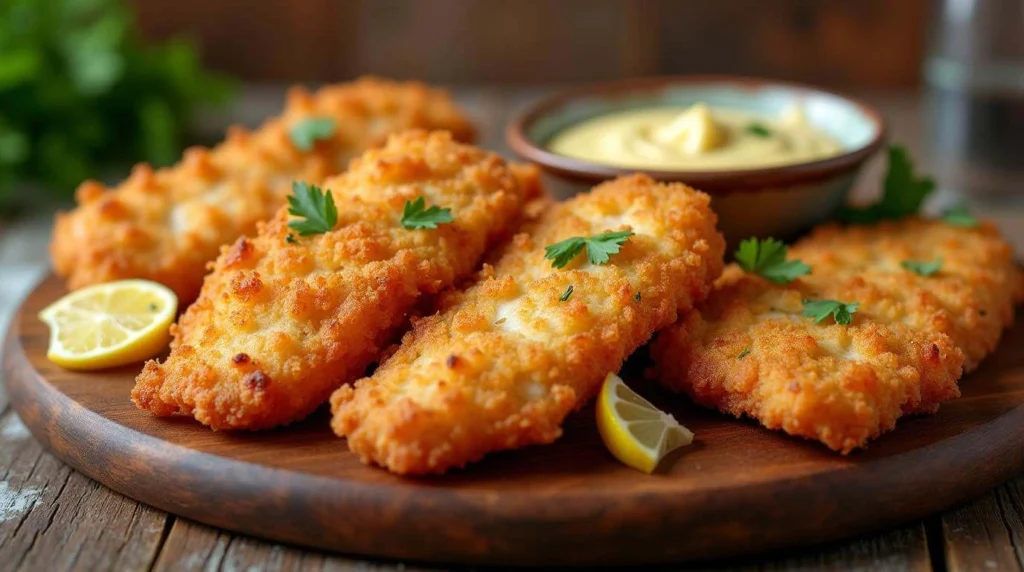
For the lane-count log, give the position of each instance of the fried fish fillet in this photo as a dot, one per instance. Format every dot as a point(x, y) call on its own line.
point(281, 323)
point(971, 298)
point(748, 350)
point(511, 356)
point(168, 225)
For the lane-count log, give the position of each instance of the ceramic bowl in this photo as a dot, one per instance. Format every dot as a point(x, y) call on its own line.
point(774, 201)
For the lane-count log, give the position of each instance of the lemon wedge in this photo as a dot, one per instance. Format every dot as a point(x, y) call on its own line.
point(110, 324)
point(636, 432)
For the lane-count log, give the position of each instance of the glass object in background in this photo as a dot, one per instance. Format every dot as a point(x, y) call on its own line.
point(975, 75)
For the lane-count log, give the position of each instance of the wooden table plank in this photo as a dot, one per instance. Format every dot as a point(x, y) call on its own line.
point(988, 533)
point(904, 548)
point(53, 518)
point(193, 546)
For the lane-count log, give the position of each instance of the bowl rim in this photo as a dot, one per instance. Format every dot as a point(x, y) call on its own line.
point(721, 180)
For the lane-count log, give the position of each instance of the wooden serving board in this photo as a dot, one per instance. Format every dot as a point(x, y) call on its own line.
point(737, 489)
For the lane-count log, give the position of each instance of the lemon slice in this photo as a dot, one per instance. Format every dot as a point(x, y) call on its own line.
point(110, 324)
point(636, 432)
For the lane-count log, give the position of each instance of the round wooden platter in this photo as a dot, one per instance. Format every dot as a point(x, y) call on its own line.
point(737, 489)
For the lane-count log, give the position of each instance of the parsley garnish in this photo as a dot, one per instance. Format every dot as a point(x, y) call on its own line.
point(315, 206)
point(599, 248)
point(841, 312)
point(416, 215)
point(759, 130)
point(922, 268)
point(903, 192)
point(290, 239)
point(767, 258)
point(566, 294)
point(637, 297)
point(743, 353)
point(960, 216)
point(306, 133)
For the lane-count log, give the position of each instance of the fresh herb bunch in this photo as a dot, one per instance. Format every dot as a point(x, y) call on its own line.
point(81, 94)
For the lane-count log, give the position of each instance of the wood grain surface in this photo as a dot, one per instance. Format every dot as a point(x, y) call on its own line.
point(738, 489)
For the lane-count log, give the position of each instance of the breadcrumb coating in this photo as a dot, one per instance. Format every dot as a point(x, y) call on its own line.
point(508, 359)
point(167, 225)
point(748, 350)
point(280, 324)
point(972, 296)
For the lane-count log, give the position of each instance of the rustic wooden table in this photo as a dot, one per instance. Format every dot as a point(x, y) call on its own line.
point(52, 518)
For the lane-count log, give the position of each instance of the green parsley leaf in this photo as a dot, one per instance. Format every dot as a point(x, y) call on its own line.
point(960, 216)
point(599, 248)
point(759, 130)
point(562, 252)
point(306, 133)
point(290, 239)
point(743, 353)
point(841, 312)
point(566, 294)
point(416, 215)
point(922, 268)
point(767, 258)
point(903, 192)
point(315, 206)
point(637, 297)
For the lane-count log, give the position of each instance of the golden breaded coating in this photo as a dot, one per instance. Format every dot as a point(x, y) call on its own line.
point(748, 350)
point(971, 298)
point(503, 365)
point(168, 225)
point(279, 325)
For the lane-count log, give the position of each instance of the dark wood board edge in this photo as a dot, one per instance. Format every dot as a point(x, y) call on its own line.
point(389, 521)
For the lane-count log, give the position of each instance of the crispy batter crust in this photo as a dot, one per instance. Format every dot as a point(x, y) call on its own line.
point(167, 225)
point(279, 325)
point(748, 351)
point(503, 365)
point(972, 297)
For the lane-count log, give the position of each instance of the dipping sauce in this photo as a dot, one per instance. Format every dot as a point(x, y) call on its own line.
point(697, 138)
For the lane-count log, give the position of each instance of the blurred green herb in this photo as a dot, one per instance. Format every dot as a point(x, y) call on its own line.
point(759, 130)
point(903, 192)
point(922, 268)
point(306, 133)
point(960, 216)
point(81, 94)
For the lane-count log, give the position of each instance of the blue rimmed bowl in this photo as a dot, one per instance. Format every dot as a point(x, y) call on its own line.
point(773, 201)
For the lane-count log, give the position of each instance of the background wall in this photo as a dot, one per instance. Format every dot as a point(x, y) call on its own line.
point(834, 42)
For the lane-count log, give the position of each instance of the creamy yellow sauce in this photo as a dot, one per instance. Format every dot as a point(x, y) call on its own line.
point(696, 138)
